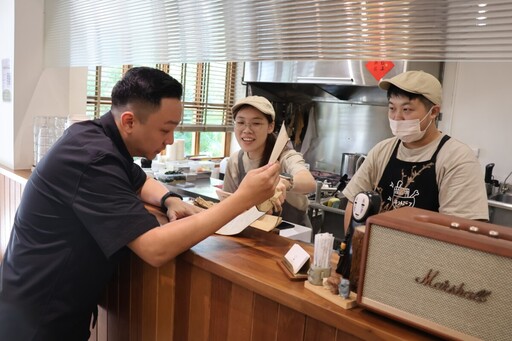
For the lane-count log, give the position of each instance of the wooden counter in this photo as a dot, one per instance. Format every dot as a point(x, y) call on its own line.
point(235, 284)
point(21, 176)
point(231, 288)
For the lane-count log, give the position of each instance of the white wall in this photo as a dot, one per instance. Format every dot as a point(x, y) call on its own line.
point(36, 90)
point(6, 108)
point(478, 112)
point(28, 64)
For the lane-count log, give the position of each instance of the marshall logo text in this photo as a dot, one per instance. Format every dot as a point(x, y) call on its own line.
point(457, 290)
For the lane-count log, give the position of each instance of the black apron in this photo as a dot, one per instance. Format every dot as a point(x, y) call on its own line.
point(290, 213)
point(410, 183)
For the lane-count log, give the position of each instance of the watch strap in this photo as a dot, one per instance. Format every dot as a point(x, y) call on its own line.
point(165, 197)
point(288, 178)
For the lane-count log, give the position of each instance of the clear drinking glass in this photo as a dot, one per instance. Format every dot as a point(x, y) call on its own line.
point(44, 141)
point(60, 125)
point(47, 130)
point(40, 123)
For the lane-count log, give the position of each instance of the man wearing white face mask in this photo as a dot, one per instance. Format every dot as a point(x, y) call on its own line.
point(420, 166)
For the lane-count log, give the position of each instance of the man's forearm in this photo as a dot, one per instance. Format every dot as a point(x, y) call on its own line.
point(152, 192)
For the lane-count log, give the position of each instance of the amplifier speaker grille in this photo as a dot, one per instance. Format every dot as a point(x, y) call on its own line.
point(396, 259)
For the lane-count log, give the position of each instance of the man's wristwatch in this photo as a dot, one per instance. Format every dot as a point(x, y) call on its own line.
point(165, 197)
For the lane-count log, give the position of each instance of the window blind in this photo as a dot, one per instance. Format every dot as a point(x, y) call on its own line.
point(100, 81)
point(82, 32)
point(208, 92)
point(208, 95)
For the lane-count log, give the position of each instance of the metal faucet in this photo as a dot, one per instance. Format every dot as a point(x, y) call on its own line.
point(504, 187)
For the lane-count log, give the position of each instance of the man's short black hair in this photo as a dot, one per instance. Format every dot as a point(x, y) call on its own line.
point(145, 86)
point(393, 90)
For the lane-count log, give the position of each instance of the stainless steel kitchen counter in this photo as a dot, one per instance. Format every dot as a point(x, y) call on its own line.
point(205, 188)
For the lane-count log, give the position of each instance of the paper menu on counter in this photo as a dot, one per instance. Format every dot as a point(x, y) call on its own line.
point(239, 223)
point(282, 140)
point(267, 222)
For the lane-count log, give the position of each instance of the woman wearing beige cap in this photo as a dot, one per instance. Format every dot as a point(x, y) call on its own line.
point(420, 166)
point(254, 118)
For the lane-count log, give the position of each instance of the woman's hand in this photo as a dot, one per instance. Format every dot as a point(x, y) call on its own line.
point(279, 196)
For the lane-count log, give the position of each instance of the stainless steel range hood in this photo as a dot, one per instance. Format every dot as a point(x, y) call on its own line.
point(348, 81)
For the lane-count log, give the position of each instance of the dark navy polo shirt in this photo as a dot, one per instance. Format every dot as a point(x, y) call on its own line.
point(79, 210)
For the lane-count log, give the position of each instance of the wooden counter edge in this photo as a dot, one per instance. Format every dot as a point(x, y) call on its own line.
point(21, 176)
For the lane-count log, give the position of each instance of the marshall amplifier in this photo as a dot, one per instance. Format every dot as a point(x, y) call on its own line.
point(447, 275)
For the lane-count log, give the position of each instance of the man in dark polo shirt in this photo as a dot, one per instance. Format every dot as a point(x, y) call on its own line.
point(83, 208)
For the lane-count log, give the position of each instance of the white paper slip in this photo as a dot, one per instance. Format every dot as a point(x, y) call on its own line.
point(239, 223)
point(282, 140)
point(297, 257)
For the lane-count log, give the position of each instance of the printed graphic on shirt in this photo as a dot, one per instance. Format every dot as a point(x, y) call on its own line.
point(403, 192)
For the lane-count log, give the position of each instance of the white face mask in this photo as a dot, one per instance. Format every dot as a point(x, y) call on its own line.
point(409, 130)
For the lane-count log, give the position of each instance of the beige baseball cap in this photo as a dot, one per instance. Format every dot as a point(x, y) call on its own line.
point(417, 82)
point(259, 102)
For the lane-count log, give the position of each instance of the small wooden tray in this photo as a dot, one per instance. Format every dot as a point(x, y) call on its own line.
point(347, 303)
point(300, 276)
